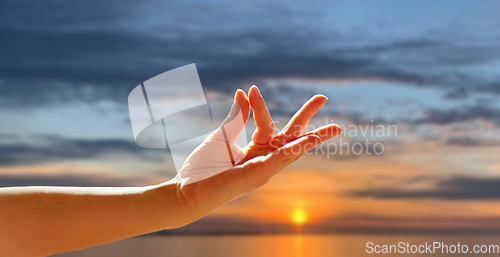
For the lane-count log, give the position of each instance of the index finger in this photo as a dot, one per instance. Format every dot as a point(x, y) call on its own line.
point(265, 125)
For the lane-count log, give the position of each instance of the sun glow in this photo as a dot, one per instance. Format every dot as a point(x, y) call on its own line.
point(299, 216)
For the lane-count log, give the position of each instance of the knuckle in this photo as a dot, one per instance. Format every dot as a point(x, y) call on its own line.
point(261, 165)
point(258, 164)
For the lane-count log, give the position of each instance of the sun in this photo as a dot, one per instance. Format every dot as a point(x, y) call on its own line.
point(299, 216)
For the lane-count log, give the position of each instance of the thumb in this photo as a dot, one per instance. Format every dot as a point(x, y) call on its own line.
point(236, 120)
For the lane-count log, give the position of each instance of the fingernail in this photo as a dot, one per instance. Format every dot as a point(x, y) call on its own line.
point(339, 128)
point(258, 90)
point(236, 94)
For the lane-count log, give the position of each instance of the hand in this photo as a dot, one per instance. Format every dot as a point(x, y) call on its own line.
point(40, 221)
point(210, 178)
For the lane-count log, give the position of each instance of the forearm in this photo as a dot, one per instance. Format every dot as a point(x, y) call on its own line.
point(48, 220)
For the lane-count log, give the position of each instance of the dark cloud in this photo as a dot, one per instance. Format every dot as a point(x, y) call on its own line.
point(88, 50)
point(465, 113)
point(470, 140)
point(353, 223)
point(454, 188)
point(53, 148)
point(66, 180)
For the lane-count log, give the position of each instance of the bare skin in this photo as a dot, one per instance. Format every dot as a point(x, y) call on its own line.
point(40, 221)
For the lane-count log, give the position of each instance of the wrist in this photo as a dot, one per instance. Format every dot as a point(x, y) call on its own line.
point(171, 204)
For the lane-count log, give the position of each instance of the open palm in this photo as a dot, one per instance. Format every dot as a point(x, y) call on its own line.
point(218, 170)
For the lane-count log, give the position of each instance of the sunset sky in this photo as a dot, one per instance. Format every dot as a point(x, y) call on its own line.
point(430, 69)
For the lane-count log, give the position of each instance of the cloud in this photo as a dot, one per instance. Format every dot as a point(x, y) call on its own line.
point(466, 113)
point(53, 148)
point(59, 54)
point(67, 180)
point(352, 224)
point(454, 188)
point(468, 140)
